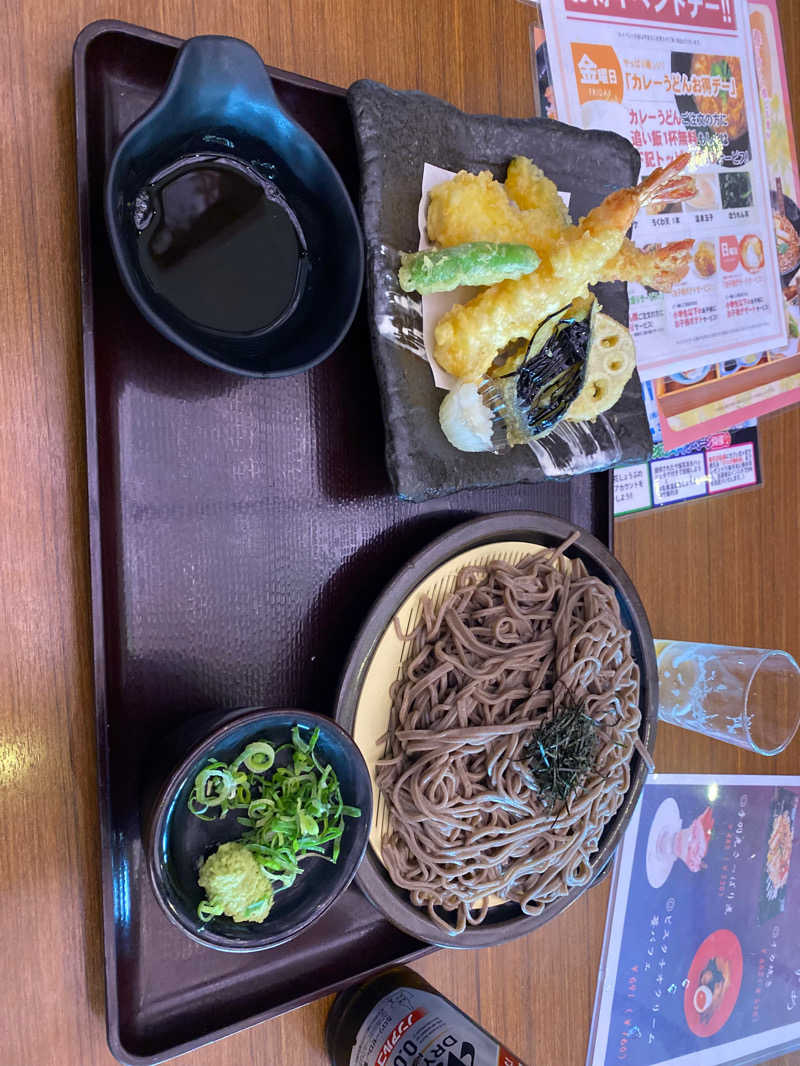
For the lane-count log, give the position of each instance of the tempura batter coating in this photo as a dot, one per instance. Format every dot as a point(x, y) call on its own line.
point(475, 207)
point(477, 263)
point(610, 363)
point(530, 188)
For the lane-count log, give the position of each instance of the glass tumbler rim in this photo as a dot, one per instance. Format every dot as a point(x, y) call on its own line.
point(768, 653)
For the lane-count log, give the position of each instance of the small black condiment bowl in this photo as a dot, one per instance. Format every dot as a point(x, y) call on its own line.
point(176, 841)
point(220, 100)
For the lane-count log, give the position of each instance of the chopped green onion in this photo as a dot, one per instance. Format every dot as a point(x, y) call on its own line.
point(305, 823)
point(258, 757)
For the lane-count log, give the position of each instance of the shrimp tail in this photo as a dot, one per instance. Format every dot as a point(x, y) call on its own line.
point(667, 184)
point(660, 267)
point(618, 210)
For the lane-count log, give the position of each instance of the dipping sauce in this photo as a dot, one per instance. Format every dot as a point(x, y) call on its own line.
point(221, 244)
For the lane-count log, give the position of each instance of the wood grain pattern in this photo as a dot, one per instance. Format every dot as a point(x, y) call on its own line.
point(723, 570)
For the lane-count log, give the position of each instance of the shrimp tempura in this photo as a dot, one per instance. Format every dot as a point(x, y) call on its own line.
point(530, 188)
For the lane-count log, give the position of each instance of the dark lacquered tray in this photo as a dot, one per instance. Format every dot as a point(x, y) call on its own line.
point(240, 529)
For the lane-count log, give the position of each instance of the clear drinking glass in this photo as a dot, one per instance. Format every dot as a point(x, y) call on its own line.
point(745, 696)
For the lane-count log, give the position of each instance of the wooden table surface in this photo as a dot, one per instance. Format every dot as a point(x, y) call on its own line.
point(724, 570)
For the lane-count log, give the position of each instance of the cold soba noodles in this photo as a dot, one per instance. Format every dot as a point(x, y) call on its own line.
point(473, 818)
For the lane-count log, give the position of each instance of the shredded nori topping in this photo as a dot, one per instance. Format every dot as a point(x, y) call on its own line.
point(549, 382)
point(562, 752)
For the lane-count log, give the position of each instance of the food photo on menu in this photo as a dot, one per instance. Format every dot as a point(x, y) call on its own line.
point(668, 841)
point(703, 940)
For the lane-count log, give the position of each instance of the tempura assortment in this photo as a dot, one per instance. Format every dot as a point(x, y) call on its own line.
point(532, 347)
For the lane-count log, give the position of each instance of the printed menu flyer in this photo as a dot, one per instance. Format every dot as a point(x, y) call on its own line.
point(701, 961)
point(675, 76)
point(712, 398)
point(723, 461)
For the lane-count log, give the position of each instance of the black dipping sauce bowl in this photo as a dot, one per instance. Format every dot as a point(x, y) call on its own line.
point(219, 104)
point(177, 842)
